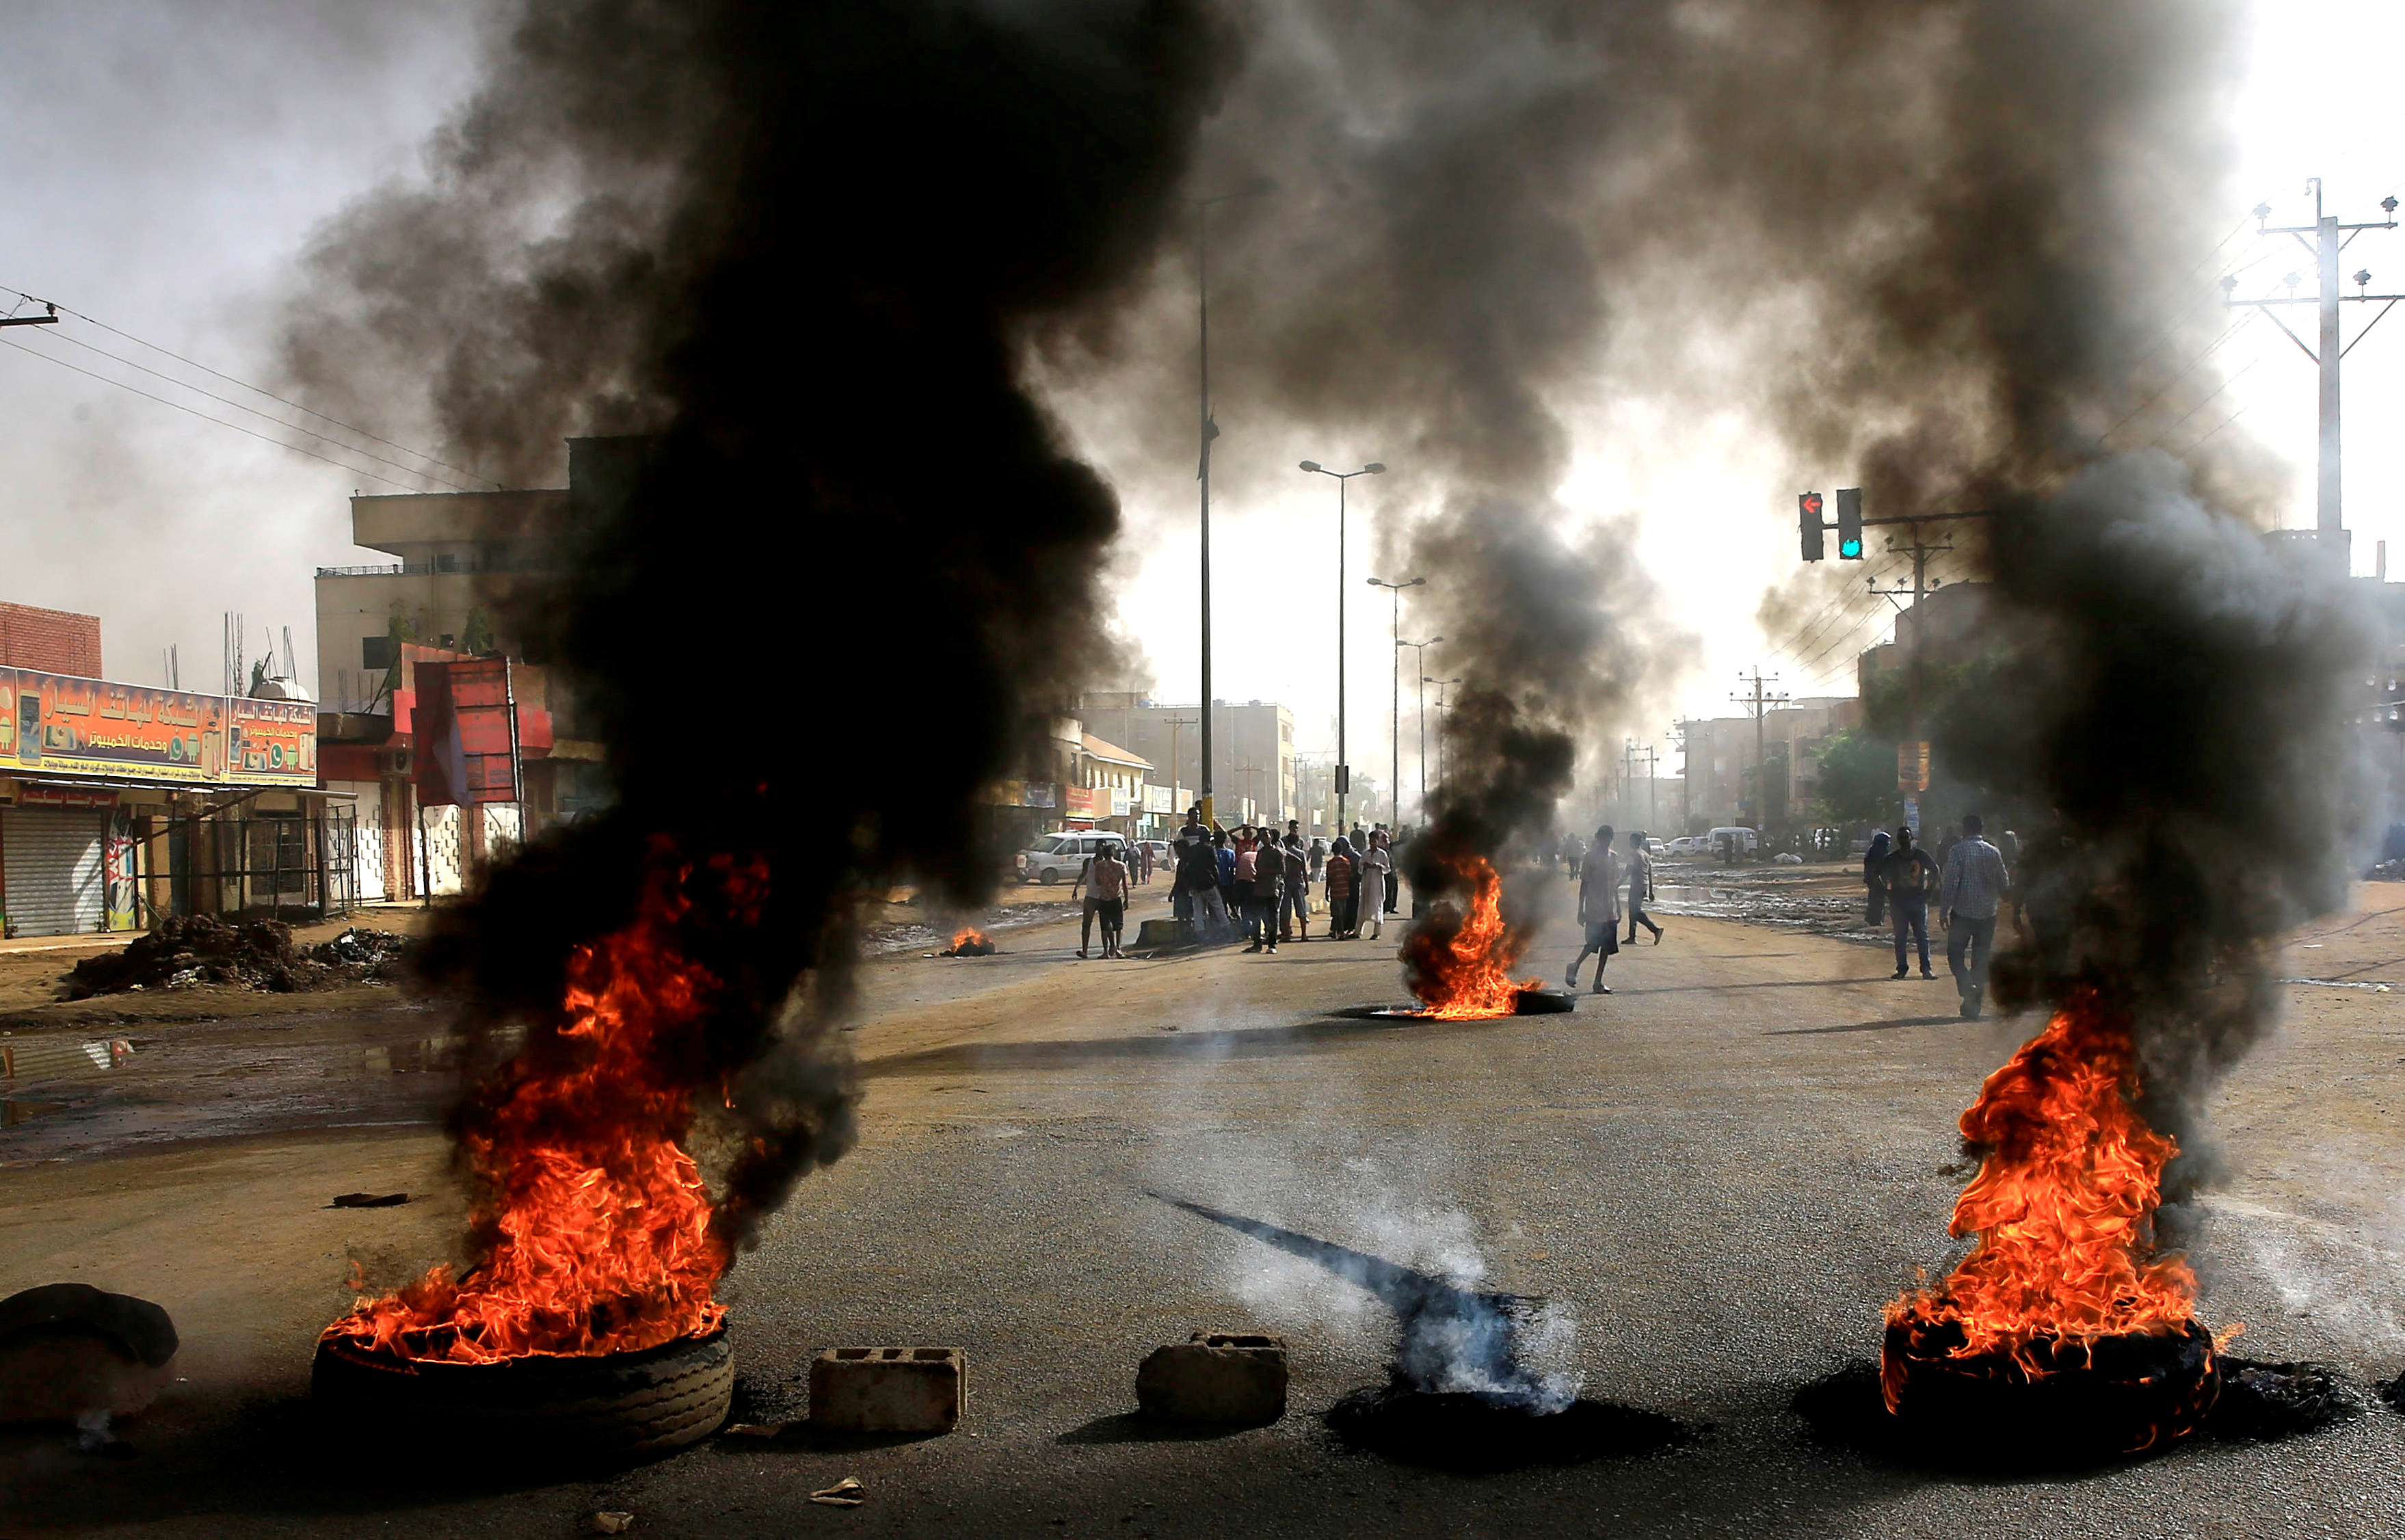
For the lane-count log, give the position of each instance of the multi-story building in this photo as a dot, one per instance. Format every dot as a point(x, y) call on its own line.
point(1252, 751)
point(1723, 755)
point(465, 565)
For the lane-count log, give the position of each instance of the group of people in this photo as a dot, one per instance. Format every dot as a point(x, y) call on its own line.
point(1259, 880)
point(1969, 879)
point(1253, 879)
point(1603, 880)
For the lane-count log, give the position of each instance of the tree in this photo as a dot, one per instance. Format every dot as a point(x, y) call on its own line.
point(1857, 779)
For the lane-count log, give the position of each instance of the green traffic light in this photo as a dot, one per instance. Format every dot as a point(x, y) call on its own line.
point(1850, 548)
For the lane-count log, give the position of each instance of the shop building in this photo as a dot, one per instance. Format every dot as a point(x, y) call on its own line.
point(121, 804)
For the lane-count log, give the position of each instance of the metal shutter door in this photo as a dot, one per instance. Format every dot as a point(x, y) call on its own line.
point(52, 883)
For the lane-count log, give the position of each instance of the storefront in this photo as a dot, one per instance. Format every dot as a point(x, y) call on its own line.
point(120, 804)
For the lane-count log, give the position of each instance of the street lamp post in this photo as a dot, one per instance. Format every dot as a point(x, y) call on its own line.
point(1442, 754)
point(1206, 431)
point(1395, 702)
point(1343, 771)
point(1419, 661)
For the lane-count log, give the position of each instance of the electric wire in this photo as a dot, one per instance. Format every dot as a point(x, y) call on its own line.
point(196, 411)
point(229, 379)
point(265, 417)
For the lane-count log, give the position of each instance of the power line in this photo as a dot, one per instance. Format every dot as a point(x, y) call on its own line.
point(245, 384)
point(264, 416)
point(2226, 332)
point(204, 417)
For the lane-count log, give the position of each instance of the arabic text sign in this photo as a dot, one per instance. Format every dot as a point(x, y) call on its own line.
point(67, 726)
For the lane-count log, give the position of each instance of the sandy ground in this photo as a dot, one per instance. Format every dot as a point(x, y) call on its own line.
point(1723, 1169)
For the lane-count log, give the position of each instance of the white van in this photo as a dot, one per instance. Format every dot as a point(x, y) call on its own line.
point(1055, 858)
point(1731, 840)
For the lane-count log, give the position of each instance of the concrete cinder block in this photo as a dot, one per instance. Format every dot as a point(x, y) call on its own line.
point(888, 1390)
point(1215, 1376)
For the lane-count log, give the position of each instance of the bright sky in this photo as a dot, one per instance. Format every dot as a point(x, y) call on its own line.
point(167, 161)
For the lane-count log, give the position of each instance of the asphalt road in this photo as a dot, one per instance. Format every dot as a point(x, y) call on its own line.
point(1722, 1171)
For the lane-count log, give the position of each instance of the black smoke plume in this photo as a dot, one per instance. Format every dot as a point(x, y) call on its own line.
point(1960, 253)
point(801, 249)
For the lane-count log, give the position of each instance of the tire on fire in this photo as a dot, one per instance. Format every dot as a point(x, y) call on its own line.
point(614, 1404)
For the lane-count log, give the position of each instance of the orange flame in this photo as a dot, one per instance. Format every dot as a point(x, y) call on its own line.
point(969, 936)
point(1465, 974)
point(2063, 1208)
point(597, 1220)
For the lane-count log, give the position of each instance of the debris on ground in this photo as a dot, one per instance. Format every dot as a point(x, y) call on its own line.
point(843, 1494)
point(202, 949)
point(369, 1200)
point(611, 1523)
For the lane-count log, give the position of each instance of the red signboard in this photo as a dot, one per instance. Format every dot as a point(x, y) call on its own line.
point(464, 733)
point(63, 796)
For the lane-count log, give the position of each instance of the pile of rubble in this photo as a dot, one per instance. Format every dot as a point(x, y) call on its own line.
point(201, 949)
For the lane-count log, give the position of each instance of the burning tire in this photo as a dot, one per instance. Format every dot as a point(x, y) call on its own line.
point(612, 1404)
point(2124, 1395)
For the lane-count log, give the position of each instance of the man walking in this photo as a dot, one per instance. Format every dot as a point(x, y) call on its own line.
point(1598, 909)
point(1087, 880)
point(1908, 873)
point(1641, 886)
point(1109, 903)
point(1969, 895)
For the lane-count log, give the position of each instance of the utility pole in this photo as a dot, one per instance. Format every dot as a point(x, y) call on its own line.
point(1908, 620)
point(1443, 755)
point(2329, 237)
point(1394, 700)
point(1344, 478)
point(1205, 431)
point(50, 319)
point(1653, 809)
point(1419, 661)
point(1761, 703)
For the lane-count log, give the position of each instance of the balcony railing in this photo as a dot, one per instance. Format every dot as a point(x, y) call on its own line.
point(442, 566)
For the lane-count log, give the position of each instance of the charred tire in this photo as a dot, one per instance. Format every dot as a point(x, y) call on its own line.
point(618, 1404)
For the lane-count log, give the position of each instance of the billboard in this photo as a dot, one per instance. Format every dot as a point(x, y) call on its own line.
point(466, 729)
point(60, 724)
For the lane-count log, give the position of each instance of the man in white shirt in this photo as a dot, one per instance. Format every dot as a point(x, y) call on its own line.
point(1598, 909)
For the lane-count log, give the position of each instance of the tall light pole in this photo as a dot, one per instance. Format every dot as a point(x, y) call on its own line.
point(1442, 754)
point(1394, 705)
point(1343, 771)
point(1419, 661)
point(1205, 433)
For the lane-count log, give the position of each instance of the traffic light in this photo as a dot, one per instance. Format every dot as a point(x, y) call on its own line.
point(1808, 524)
point(1849, 524)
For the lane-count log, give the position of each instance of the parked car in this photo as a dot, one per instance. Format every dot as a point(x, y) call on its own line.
point(1059, 857)
point(1686, 844)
